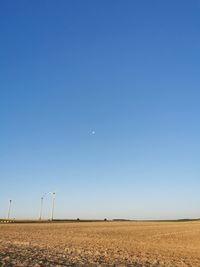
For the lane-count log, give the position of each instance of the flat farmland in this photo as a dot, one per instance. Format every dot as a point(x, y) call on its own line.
point(100, 244)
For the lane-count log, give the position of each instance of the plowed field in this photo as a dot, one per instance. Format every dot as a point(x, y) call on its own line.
point(100, 244)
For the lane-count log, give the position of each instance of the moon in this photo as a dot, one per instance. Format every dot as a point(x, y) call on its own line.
point(93, 132)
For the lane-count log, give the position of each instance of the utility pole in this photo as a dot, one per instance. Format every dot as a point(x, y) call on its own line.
point(9, 208)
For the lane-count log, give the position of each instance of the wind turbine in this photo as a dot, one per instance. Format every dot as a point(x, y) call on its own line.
point(53, 204)
point(9, 208)
point(53, 195)
point(41, 207)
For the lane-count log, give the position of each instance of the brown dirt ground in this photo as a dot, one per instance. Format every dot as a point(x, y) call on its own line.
point(101, 244)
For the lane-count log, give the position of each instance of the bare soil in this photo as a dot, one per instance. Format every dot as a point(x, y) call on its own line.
point(101, 244)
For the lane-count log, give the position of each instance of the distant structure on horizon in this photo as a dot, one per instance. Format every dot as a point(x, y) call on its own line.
point(53, 194)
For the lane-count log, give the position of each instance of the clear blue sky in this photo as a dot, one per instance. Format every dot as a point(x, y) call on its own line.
point(128, 70)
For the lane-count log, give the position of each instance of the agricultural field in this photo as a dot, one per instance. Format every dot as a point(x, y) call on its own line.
point(100, 244)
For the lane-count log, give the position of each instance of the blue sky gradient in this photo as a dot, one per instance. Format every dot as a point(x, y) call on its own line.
point(129, 70)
